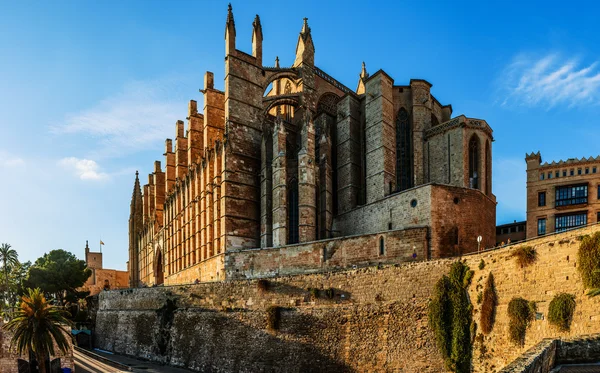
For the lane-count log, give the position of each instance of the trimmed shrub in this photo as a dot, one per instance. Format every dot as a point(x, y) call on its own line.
point(589, 261)
point(273, 317)
point(314, 292)
point(450, 318)
point(481, 264)
point(525, 255)
point(521, 313)
point(560, 311)
point(488, 306)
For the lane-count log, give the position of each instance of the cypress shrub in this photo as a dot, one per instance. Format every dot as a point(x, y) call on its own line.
point(488, 306)
point(450, 318)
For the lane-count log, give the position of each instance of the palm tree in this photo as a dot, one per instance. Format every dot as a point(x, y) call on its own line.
point(9, 258)
point(37, 326)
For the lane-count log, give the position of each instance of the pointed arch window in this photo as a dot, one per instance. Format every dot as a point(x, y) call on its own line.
point(474, 162)
point(488, 169)
point(404, 153)
point(288, 109)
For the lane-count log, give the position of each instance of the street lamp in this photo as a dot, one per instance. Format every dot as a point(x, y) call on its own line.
point(479, 238)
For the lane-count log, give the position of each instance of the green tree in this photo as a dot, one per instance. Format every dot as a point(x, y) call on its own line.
point(17, 278)
point(36, 326)
point(59, 273)
point(9, 258)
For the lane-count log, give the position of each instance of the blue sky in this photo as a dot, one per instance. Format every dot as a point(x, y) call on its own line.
point(89, 90)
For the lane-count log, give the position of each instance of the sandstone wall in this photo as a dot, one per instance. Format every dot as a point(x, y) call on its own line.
point(374, 321)
point(116, 280)
point(456, 216)
point(211, 269)
point(385, 247)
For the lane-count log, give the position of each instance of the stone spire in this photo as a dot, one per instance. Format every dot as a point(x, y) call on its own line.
point(277, 61)
point(363, 72)
point(135, 228)
point(257, 39)
point(360, 89)
point(305, 49)
point(229, 32)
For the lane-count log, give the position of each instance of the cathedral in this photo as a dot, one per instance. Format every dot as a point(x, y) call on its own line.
point(287, 170)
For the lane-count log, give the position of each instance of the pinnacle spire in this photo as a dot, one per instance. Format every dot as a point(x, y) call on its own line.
point(230, 21)
point(256, 22)
point(230, 14)
point(277, 61)
point(363, 72)
point(305, 28)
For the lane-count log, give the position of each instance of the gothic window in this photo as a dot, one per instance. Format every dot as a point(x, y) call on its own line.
point(488, 169)
point(381, 246)
point(474, 162)
point(404, 154)
point(328, 104)
point(288, 113)
point(293, 232)
point(434, 120)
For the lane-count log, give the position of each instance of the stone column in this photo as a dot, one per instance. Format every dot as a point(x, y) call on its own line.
point(349, 153)
point(307, 209)
point(266, 188)
point(217, 198)
point(325, 180)
point(203, 220)
point(380, 137)
point(279, 185)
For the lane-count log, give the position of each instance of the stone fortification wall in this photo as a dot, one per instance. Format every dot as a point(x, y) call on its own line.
point(211, 269)
point(386, 247)
point(116, 280)
point(455, 215)
point(395, 209)
point(363, 320)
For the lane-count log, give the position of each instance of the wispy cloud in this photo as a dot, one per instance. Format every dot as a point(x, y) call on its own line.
point(85, 169)
point(7, 160)
point(137, 118)
point(549, 80)
point(12, 162)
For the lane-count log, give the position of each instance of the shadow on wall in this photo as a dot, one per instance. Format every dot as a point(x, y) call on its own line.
point(211, 341)
point(309, 294)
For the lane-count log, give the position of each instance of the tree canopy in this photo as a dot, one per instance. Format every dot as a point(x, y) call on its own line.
point(59, 273)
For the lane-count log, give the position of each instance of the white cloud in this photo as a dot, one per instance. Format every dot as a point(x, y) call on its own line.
point(12, 162)
point(139, 117)
point(85, 169)
point(549, 80)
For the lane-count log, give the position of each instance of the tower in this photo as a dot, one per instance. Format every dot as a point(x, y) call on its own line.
point(135, 228)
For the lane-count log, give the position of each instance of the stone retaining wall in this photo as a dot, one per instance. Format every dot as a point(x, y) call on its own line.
point(370, 319)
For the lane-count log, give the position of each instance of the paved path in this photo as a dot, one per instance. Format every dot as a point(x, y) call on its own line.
point(86, 364)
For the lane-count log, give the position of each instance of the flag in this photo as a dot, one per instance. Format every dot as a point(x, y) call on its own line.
point(101, 243)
